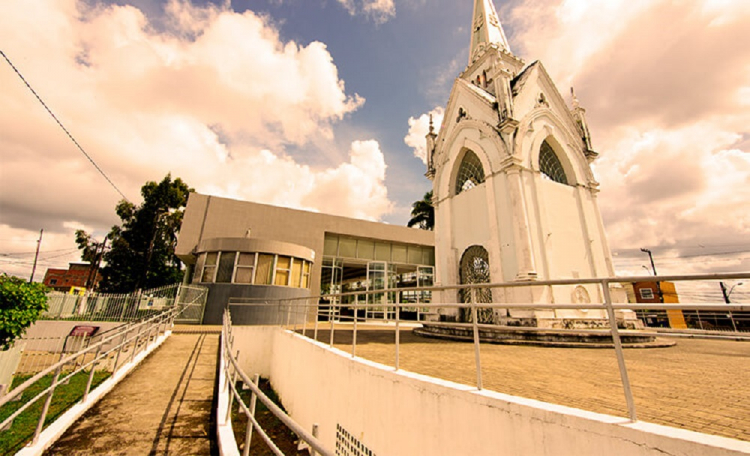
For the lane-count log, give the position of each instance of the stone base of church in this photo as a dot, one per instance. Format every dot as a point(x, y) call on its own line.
point(548, 319)
point(569, 338)
point(567, 319)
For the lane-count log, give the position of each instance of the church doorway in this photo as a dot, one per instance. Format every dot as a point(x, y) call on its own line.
point(475, 268)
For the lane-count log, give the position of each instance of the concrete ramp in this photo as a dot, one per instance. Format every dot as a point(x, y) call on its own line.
point(162, 408)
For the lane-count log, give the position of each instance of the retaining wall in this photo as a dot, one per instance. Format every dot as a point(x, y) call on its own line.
point(401, 413)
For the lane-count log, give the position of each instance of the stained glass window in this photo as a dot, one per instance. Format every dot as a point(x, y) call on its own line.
point(470, 173)
point(550, 165)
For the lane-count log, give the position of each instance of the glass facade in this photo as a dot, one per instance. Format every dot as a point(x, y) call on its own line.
point(352, 265)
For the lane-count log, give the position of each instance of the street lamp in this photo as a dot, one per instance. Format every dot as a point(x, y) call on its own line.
point(727, 294)
point(653, 266)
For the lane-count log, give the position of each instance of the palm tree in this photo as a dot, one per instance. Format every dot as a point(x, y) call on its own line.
point(422, 213)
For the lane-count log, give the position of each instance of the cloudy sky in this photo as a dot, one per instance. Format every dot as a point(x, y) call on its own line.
point(322, 105)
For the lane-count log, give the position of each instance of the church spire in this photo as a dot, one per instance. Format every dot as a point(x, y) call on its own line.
point(485, 29)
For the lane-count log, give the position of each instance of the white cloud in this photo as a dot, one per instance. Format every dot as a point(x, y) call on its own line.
point(418, 129)
point(213, 97)
point(380, 11)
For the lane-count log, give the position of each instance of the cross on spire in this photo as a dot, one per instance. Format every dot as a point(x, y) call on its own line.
point(486, 29)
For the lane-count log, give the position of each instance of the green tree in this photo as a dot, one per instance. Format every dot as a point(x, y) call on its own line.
point(422, 213)
point(21, 304)
point(141, 253)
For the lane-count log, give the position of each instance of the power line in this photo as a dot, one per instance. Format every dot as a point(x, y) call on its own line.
point(63, 127)
point(32, 253)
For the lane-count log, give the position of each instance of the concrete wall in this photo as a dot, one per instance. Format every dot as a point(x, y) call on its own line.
point(400, 413)
point(219, 294)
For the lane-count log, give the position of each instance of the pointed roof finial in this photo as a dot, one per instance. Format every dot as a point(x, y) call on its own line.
point(432, 128)
point(576, 104)
point(486, 29)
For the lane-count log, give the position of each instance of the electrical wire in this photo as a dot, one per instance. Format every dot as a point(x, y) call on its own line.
point(63, 127)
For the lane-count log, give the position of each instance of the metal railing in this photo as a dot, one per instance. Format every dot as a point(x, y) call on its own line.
point(95, 306)
point(229, 363)
point(107, 351)
point(296, 314)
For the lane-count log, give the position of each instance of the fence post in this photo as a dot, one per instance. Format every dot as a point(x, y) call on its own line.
point(475, 327)
point(304, 322)
point(330, 319)
point(315, 434)
point(231, 390)
point(354, 334)
point(135, 344)
point(43, 416)
point(119, 349)
point(249, 431)
point(317, 315)
point(398, 333)
point(91, 374)
point(618, 350)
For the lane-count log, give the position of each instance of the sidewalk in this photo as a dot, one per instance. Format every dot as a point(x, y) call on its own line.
point(163, 407)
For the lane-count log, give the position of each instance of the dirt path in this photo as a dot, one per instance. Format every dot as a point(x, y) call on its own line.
point(162, 408)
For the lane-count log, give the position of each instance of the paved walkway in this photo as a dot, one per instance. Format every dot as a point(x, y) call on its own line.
point(162, 408)
point(701, 385)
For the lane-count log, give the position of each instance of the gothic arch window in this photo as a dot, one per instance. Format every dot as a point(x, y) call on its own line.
point(475, 268)
point(470, 173)
point(550, 165)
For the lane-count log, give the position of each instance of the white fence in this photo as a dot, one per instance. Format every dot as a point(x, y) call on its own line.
point(93, 306)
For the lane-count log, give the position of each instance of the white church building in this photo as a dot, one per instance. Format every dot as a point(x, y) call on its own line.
point(514, 195)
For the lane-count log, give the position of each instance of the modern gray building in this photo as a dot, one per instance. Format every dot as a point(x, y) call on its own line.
point(249, 250)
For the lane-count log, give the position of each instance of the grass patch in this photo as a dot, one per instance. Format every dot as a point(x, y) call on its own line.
point(24, 425)
point(281, 435)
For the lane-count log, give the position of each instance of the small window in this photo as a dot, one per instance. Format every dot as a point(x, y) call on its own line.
point(383, 251)
point(306, 275)
point(264, 272)
point(365, 249)
point(209, 267)
point(415, 254)
point(226, 267)
point(550, 166)
point(296, 273)
point(283, 266)
point(245, 265)
point(647, 293)
point(53, 281)
point(331, 245)
point(399, 254)
point(470, 173)
point(347, 247)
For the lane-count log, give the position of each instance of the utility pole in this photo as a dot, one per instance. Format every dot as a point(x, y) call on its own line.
point(36, 256)
point(94, 266)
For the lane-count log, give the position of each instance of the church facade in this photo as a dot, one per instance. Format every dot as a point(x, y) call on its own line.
point(514, 195)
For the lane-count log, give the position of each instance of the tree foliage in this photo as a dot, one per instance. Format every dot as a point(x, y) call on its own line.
point(21, 304)
point(422, 213)
point(141, 253)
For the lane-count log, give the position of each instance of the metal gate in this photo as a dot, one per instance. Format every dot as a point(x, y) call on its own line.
point(192, 300)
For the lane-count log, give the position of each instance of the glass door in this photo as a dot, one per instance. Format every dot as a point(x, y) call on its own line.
point(425, 278)
point(376, 280)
